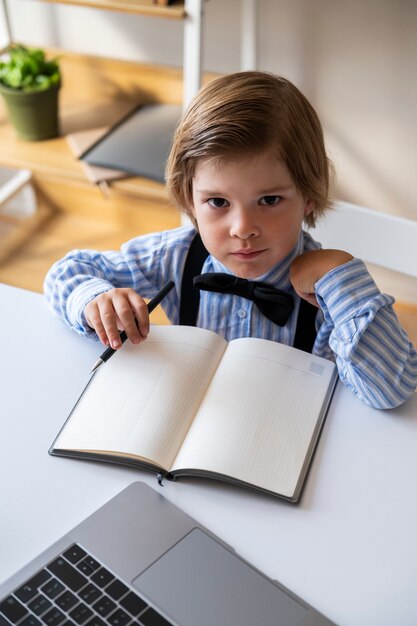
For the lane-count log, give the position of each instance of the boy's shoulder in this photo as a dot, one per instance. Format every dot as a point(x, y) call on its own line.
point(177, 240)
point(182, 234)
point(173, 237)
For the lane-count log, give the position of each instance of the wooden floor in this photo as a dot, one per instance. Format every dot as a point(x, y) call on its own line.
point(37, 248)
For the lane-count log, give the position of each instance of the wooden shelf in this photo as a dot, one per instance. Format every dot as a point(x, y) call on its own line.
point(189, 11)
point(175, 11)
point(96, 92)
point(73, 212)
point(54, 159)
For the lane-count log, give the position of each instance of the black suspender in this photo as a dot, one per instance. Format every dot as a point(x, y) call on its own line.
point(190, 297)
point(305, 333)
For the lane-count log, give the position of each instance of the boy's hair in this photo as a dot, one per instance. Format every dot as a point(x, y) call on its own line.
point(249, 113)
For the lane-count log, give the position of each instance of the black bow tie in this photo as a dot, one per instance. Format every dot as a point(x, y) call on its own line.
point(275, 304)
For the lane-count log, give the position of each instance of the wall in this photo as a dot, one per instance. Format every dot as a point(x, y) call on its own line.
point(354, 60)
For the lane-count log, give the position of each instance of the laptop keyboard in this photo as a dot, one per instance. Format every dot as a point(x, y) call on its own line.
point(75, 589)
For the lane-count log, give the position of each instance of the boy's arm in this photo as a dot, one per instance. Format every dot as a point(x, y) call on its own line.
point(374, 356)
point(83, 275)
point(143, 264)
point(75, 280)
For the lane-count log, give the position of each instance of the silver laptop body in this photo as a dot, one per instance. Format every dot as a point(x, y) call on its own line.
point(141, 560)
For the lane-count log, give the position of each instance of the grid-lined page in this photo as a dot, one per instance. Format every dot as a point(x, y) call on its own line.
point(141, 402)
point(259, 415)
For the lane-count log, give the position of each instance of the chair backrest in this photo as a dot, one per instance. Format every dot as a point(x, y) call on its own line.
point(385, 240)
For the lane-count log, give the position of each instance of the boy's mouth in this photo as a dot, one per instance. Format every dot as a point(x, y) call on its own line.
point(248, 254)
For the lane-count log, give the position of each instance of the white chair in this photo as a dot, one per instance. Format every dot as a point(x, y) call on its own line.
point(383, 240)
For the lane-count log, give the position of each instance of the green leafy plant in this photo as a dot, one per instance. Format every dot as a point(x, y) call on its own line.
point(28, 70)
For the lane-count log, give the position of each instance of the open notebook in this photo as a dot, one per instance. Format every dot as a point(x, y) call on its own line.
point(187, 403)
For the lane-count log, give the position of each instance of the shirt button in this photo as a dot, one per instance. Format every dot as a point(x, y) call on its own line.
point(241, 313)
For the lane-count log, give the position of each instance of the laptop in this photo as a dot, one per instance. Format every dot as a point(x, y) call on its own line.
point(141, 560)
point(138, 144)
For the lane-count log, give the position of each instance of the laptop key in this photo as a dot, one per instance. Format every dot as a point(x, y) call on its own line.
point(52, 588)
point(67, 574)
point(102, 577)
point(74, 554)
point(39, 605)
point(91, 562)
point(119, 618)
point(53, 617)
point(152, 618)
point(80, 613)
point(133, 603)
point(85, 568)
point(13, 609)
point(66, 601)
point(90, 593)
point(30, 588)
point(117, 589)
point(104, 606)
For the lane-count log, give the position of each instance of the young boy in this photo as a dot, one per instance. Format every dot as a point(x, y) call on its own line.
point(248, 166)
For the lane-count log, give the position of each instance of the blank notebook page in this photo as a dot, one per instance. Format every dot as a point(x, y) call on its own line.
point(140, 401)
point(242, 430)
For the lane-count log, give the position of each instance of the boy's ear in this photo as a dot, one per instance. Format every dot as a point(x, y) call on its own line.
point(309, 207)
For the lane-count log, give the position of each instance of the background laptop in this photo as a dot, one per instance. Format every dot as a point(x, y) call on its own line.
point(141, 560)
point(138, 144)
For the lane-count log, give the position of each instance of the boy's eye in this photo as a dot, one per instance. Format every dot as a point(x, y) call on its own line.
point(217, 203)
point(270, 200)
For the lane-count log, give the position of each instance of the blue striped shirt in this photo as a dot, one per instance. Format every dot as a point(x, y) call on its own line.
point(356, 324)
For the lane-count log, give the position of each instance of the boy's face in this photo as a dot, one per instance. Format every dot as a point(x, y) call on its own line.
point(249, 212)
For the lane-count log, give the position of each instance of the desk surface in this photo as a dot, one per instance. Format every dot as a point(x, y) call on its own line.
point(349, 548)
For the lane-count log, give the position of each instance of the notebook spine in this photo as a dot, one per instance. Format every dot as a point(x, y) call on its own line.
point(165, 475)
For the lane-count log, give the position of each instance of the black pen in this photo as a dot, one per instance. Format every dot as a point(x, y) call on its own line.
point(152, 304)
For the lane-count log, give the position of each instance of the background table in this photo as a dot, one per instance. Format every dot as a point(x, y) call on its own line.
point(349, 547)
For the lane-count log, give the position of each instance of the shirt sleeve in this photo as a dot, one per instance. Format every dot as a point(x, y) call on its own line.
point(144, 264)
point(374, 355)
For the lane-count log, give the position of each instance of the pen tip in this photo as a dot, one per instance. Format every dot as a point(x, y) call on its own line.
point(96, 365)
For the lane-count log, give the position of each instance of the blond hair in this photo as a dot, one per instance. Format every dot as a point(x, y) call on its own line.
point(249, 113)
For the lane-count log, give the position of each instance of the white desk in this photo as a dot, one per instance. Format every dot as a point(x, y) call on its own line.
point(349, 548)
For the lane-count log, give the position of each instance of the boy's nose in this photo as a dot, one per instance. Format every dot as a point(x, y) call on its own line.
point(243, 225)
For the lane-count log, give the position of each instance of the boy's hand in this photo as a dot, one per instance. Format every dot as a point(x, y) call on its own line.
point(309, 267)
point(115, 310)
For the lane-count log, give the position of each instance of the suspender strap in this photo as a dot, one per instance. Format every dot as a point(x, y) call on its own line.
point(190, 297)
point(305, 333)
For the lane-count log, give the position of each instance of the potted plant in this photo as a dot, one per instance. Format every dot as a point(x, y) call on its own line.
point(29, 84)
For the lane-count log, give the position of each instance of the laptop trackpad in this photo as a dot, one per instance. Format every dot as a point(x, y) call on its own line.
point(198, 581)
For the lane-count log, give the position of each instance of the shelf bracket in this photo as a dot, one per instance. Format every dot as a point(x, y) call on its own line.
point(7, 24)
point(248, 35)
point(192, 54)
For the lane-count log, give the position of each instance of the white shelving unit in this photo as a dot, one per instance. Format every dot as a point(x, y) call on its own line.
point(191, 13)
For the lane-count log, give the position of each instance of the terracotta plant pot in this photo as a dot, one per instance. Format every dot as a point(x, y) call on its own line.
point(34, 115)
